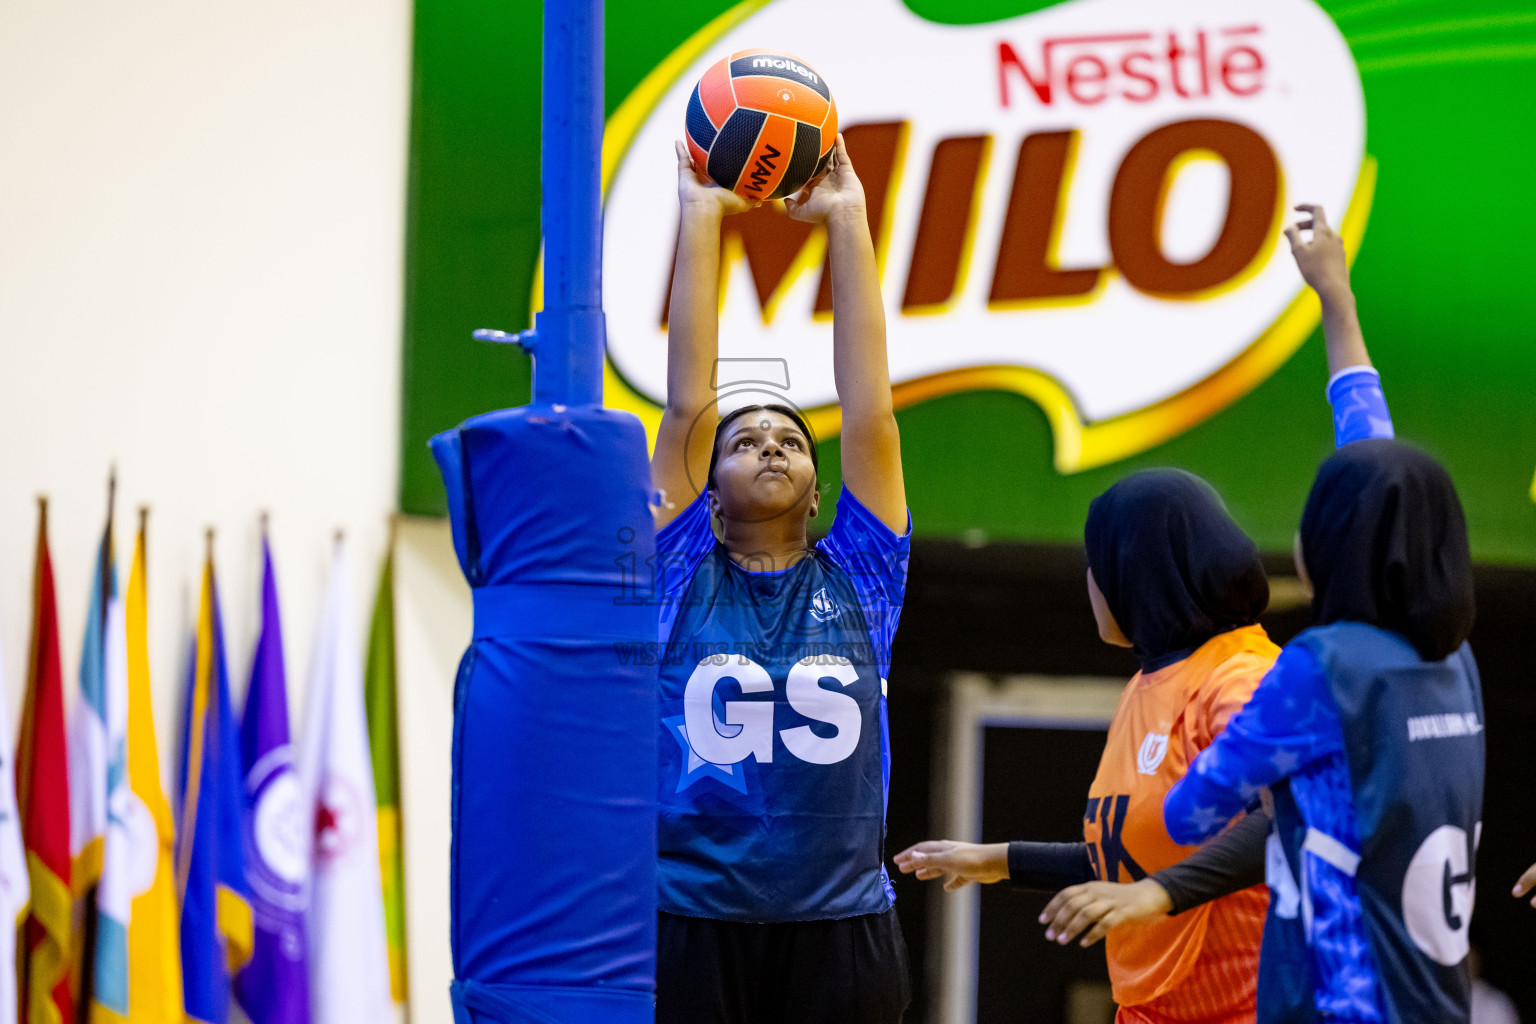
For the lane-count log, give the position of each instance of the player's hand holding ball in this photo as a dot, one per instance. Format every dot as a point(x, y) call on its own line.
point(835, 191)
point(697, 194)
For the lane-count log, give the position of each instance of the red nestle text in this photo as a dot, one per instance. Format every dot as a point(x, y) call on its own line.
point(1135, 66)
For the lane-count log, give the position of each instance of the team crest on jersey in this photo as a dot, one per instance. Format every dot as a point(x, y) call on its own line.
point(1080, 204)
point(1153, 749)
point(823, 608)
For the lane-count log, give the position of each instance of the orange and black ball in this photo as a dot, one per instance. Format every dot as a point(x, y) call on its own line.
point(761, 123)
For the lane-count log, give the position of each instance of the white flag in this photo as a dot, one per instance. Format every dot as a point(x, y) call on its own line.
point(348, 955)
point(15, 889)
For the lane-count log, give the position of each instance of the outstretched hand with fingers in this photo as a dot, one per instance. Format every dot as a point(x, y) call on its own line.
point(835, 189)
point(1526, 883)
point(696, 191)
point(1321, 257)
point(1098, 907)
point(959, 864)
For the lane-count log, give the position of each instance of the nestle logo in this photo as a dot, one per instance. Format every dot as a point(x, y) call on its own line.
point(786, 65)
point(1138, 66)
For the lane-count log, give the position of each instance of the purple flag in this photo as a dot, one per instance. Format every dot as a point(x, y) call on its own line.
point(274, 987)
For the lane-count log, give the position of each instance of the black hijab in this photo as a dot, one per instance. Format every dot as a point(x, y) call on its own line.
point(1172, 565)
point(1385, 543)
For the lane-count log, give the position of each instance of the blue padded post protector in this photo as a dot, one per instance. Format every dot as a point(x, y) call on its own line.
point(554, 747)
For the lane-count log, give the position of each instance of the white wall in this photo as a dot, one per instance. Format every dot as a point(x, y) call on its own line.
point(433, 615)
point(201, 214)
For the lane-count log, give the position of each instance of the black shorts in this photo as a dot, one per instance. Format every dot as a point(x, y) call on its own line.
point(848, 971)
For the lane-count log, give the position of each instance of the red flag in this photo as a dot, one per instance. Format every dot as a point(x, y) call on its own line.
point(42, 797)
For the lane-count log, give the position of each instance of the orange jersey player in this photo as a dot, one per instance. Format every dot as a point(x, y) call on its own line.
point(1172, 577)
point(1201, 964)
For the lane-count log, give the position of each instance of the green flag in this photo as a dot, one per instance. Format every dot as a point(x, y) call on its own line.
point(384, 744)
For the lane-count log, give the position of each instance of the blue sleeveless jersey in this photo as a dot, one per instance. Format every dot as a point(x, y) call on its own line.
point(775, 755)
point(1414, 745)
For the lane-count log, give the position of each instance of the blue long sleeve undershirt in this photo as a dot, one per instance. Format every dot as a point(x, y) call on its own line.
point(1290, 729)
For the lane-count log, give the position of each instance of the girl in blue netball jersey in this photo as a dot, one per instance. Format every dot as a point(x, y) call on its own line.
point(775, 907)
point(1366, 736)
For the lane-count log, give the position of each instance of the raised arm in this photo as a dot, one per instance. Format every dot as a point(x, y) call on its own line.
point(680, 462)
point(1354, 386)
point(871, 447)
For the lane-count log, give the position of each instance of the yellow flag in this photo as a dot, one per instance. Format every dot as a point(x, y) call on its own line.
point(154, 940)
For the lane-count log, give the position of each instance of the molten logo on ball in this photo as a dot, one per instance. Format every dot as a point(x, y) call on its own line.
point(753, 135)
point(1081, 205)
point(786, 64)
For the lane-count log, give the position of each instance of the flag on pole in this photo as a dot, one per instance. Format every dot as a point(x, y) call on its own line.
point(98, 783)
point(384, 743)
point(14, 887)
point(210, 873)
point(348, 955)
point(88, 734)
point(106, 980)
point(42, 793)
point(154, 935)
point(274, 987)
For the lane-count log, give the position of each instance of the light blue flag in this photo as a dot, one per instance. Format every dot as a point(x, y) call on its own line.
point(102, 811)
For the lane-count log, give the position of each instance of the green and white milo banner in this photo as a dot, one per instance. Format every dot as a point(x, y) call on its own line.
point(1077, 211)
point(1080, 205)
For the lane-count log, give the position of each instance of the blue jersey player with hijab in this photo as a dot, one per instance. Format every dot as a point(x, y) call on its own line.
point(1366, 736)
point(775, 755)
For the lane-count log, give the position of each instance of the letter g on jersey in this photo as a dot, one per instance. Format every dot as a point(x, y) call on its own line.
point(747, 728)
point(1438, 892)
point(748, 725)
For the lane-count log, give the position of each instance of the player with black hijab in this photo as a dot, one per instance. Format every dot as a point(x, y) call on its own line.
point(1384, 542)
point(1171, 576)
point(1367, 734)
point(1171, 565)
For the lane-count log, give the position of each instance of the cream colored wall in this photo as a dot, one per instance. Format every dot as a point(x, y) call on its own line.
point(433, 622)
point(201, 224)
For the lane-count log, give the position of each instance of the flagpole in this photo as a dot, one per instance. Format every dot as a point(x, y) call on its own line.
point(143, 539)
point(104, 568)
point(24, 764)
point(37, 582)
